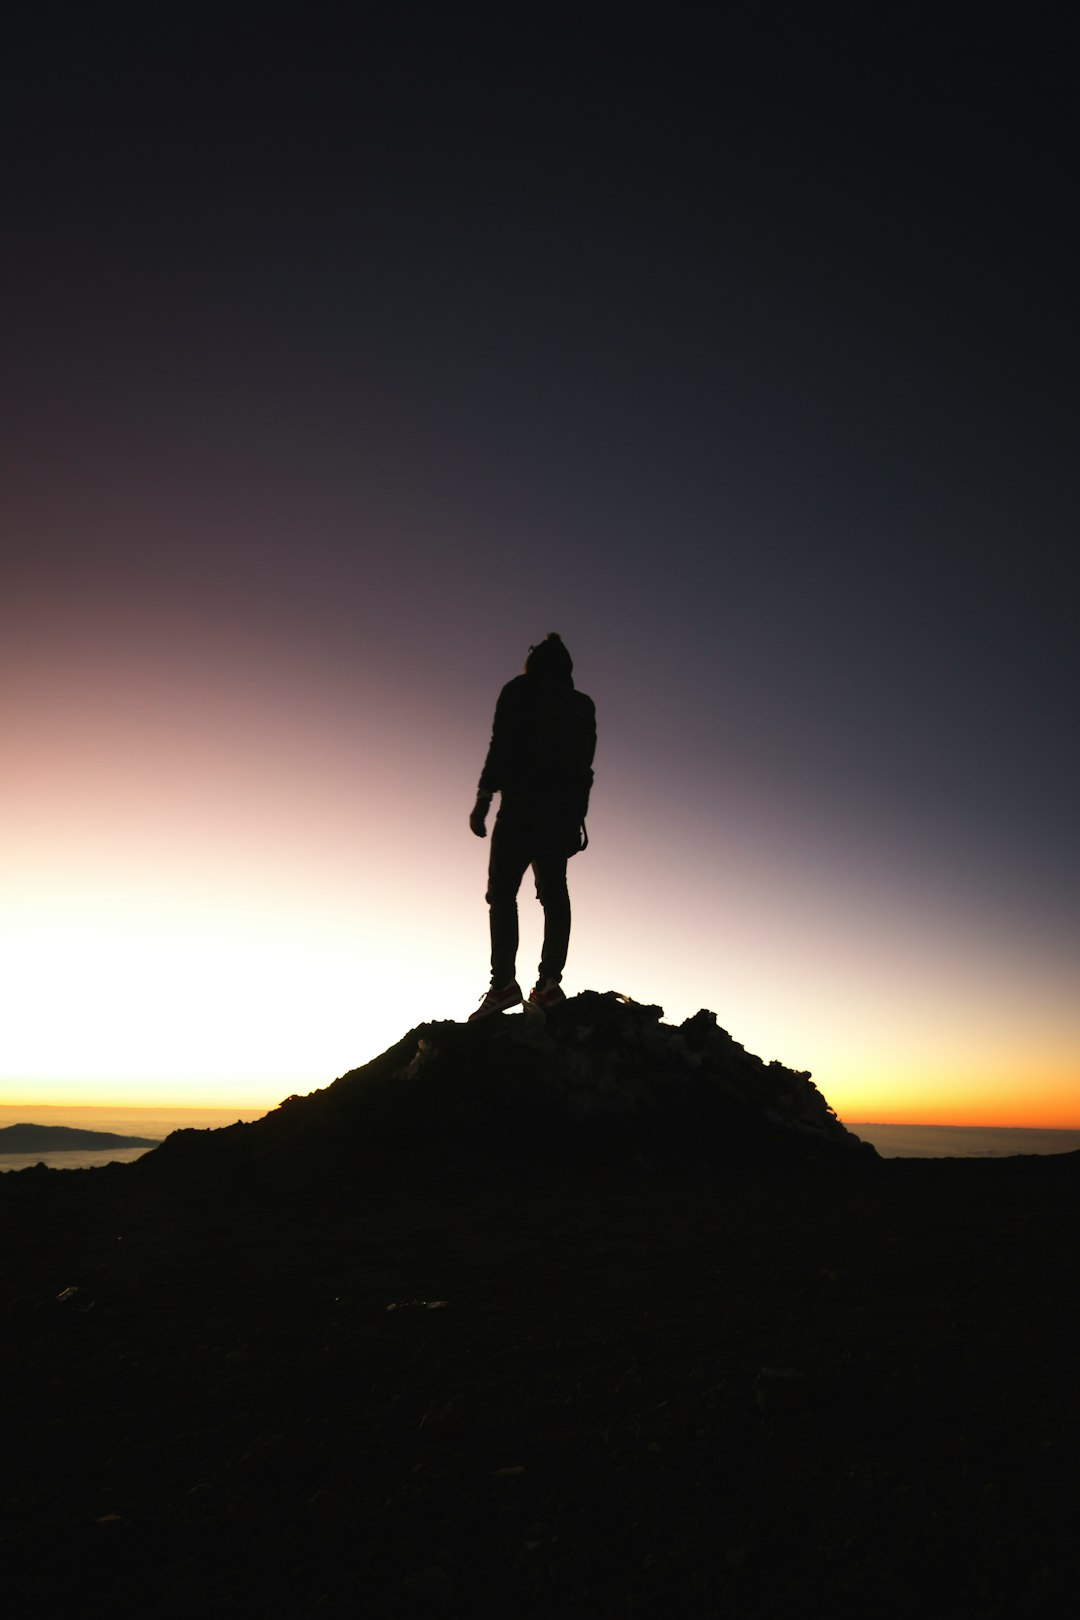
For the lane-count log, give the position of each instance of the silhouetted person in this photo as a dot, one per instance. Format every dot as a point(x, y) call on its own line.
point(540, 762)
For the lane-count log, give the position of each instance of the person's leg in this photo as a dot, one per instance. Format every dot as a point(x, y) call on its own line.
point(506, 868)
point(553, 895)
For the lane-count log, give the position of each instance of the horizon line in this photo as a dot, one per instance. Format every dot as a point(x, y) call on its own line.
point(259, 1111)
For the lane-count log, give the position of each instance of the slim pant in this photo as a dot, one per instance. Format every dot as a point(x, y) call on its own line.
point(513, 848)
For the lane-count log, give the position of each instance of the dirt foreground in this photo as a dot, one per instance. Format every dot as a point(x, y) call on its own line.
point(821, 1390)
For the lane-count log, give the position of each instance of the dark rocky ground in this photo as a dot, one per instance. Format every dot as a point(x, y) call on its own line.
point(559, 1386)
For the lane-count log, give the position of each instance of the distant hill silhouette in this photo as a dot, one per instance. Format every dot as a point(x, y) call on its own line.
point(65, 1138)
point(600, 1079)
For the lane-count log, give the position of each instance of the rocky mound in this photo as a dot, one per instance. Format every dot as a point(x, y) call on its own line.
point(600, 1079)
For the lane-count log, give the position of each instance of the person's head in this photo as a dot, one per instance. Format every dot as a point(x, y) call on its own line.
point(549, 660)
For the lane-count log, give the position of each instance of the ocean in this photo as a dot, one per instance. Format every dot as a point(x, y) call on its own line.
point(891, 1141)
point(963, 1141)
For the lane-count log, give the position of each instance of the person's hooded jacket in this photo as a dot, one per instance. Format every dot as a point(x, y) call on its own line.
point(542, 743)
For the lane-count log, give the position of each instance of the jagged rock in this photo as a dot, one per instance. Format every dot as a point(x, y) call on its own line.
point(599, 1078)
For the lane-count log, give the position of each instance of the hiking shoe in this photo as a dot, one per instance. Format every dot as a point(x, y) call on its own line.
point(545, 996)
point(498, 1000)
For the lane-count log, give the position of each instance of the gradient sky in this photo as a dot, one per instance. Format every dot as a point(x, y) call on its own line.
point(348, 353)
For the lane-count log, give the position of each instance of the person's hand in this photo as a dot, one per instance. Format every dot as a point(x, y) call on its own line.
point(478, 814)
